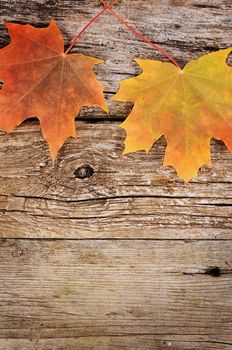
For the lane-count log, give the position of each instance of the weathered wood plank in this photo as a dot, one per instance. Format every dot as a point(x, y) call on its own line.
point(114, 294)
point(173, 291)
point(147, 342)
point(128, 197)
point(124, 193)
point(186, 29)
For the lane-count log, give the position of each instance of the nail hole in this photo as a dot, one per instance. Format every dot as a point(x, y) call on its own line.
point(213, 271)
point(1, 84)
point(84, 172)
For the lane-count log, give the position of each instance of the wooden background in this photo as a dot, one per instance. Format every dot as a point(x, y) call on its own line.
point(104, 252)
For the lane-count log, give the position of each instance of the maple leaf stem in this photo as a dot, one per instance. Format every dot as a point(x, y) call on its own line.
point(141, 36)
point(107, 7)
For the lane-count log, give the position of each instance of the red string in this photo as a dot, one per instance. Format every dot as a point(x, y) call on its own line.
point(121, 20)
point(107, 7)
point(156, 47)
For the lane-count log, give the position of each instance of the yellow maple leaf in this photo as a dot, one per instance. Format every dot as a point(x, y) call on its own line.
point(188, 107)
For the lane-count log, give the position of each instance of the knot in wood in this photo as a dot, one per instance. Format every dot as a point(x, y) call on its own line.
point(213, 271)
point(84, 172)
point(17, 253)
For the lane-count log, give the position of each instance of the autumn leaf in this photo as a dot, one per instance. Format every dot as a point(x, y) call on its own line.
point(41, 80)
point(188, 107)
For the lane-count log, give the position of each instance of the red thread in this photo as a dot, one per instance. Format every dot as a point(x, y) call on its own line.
point(121, 20)
point(107, 7)
point(156, 47)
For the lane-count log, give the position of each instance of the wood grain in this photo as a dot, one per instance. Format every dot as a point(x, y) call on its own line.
point(103, 251)
point(187, 29)
point(145, 342)
point(125, 197)
point(160, 291)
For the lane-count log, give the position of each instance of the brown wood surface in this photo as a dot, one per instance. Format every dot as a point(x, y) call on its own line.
point(158, 291)
point(103, 251)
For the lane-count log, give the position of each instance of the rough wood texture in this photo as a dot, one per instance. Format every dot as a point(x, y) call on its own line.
point(160, 291)
point(187, 29)
point(104, 252)
point(126, 197)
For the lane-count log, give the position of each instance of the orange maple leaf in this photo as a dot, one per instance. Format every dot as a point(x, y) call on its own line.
point(41, 80)
point(188, 107)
